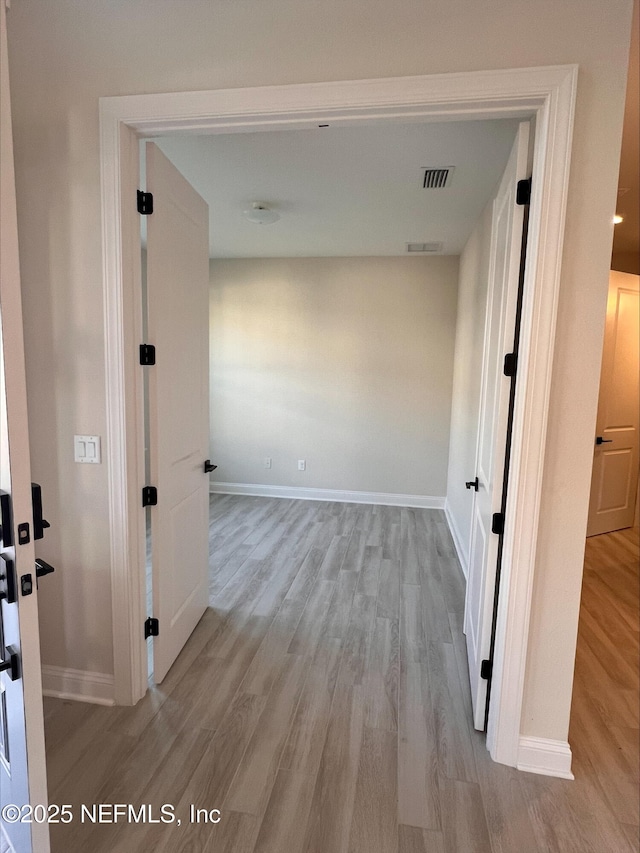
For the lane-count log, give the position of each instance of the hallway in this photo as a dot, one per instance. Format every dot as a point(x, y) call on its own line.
point(323, 705)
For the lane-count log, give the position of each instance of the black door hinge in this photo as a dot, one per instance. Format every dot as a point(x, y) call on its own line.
point(497, 523)
point(523, 192)
point(147, 354)
point(149, 496)
point(151, 628)
point(486, 669)
point(510, 364)
point(145, 203)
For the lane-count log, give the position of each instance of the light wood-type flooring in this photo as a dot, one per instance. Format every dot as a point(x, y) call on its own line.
point(323, 705)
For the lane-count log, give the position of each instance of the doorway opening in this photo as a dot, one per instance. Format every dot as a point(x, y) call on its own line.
point(341, 283)
point(541, 92)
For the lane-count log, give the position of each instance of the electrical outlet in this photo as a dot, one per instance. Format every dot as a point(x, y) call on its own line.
point(267, 462)
point(302, 465)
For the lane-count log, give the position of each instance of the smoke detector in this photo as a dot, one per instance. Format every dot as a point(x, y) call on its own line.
point(260, 214)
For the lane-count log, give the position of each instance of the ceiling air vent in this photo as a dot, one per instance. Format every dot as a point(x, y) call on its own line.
point(424, 248)
point(437, 179)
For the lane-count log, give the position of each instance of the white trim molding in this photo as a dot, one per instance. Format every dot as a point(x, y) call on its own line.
point(549, 190)
point(341, 496)
point(545, 756)
point(463, 556)
point(546, 94)
point(64, 683)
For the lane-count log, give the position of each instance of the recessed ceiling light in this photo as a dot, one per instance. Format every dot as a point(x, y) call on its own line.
point(617, 219)
point(260, 214)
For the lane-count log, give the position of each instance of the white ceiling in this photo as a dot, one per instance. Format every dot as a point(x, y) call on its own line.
point(344, 191)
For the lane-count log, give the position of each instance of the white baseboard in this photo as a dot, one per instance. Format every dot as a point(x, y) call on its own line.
point(64, 683)
point(304, 494)
point(457, 540)
point(545, 756)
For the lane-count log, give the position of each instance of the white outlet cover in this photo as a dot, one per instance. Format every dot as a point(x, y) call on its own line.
point(86, 449)
point(302, 464)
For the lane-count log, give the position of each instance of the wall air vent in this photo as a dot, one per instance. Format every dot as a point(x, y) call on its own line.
point(437, 178)
point(424, 248)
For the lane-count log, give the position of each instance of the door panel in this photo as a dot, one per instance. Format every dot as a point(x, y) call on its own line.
point(476, 579)
point(614, 483)
point(22, 760)
point(506, 239)
point(616, 479)
point(178, 325)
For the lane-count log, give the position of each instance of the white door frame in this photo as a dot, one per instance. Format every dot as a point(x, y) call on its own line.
point(548, 94)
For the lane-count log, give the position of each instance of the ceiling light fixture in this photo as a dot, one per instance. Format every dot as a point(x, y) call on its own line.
point(617, 219)
point(260, 214)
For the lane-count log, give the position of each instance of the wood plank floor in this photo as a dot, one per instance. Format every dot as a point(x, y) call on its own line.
point(323, 704)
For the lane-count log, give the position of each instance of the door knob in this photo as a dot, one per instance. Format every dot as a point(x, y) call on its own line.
point(601, 440)
point(208, 467)
point(473, 484)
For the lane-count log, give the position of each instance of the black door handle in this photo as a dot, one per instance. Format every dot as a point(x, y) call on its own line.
point(208, 467)
point(11, 663)
point(43, 568)
point(39, 523)
point(601, 440)
point(6, 521)
point(473, 484)
point(7, 580)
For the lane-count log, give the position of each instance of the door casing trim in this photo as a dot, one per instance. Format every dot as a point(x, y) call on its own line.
point(547, 94)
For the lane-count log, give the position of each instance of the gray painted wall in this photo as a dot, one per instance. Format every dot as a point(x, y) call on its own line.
point(344, 362)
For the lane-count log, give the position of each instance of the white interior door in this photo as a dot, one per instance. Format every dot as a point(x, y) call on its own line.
point(614, 482)
point(178, 326)
point(22, 758)
point(506, 238)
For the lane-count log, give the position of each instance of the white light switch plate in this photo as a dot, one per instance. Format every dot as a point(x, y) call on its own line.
point(86, 449)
